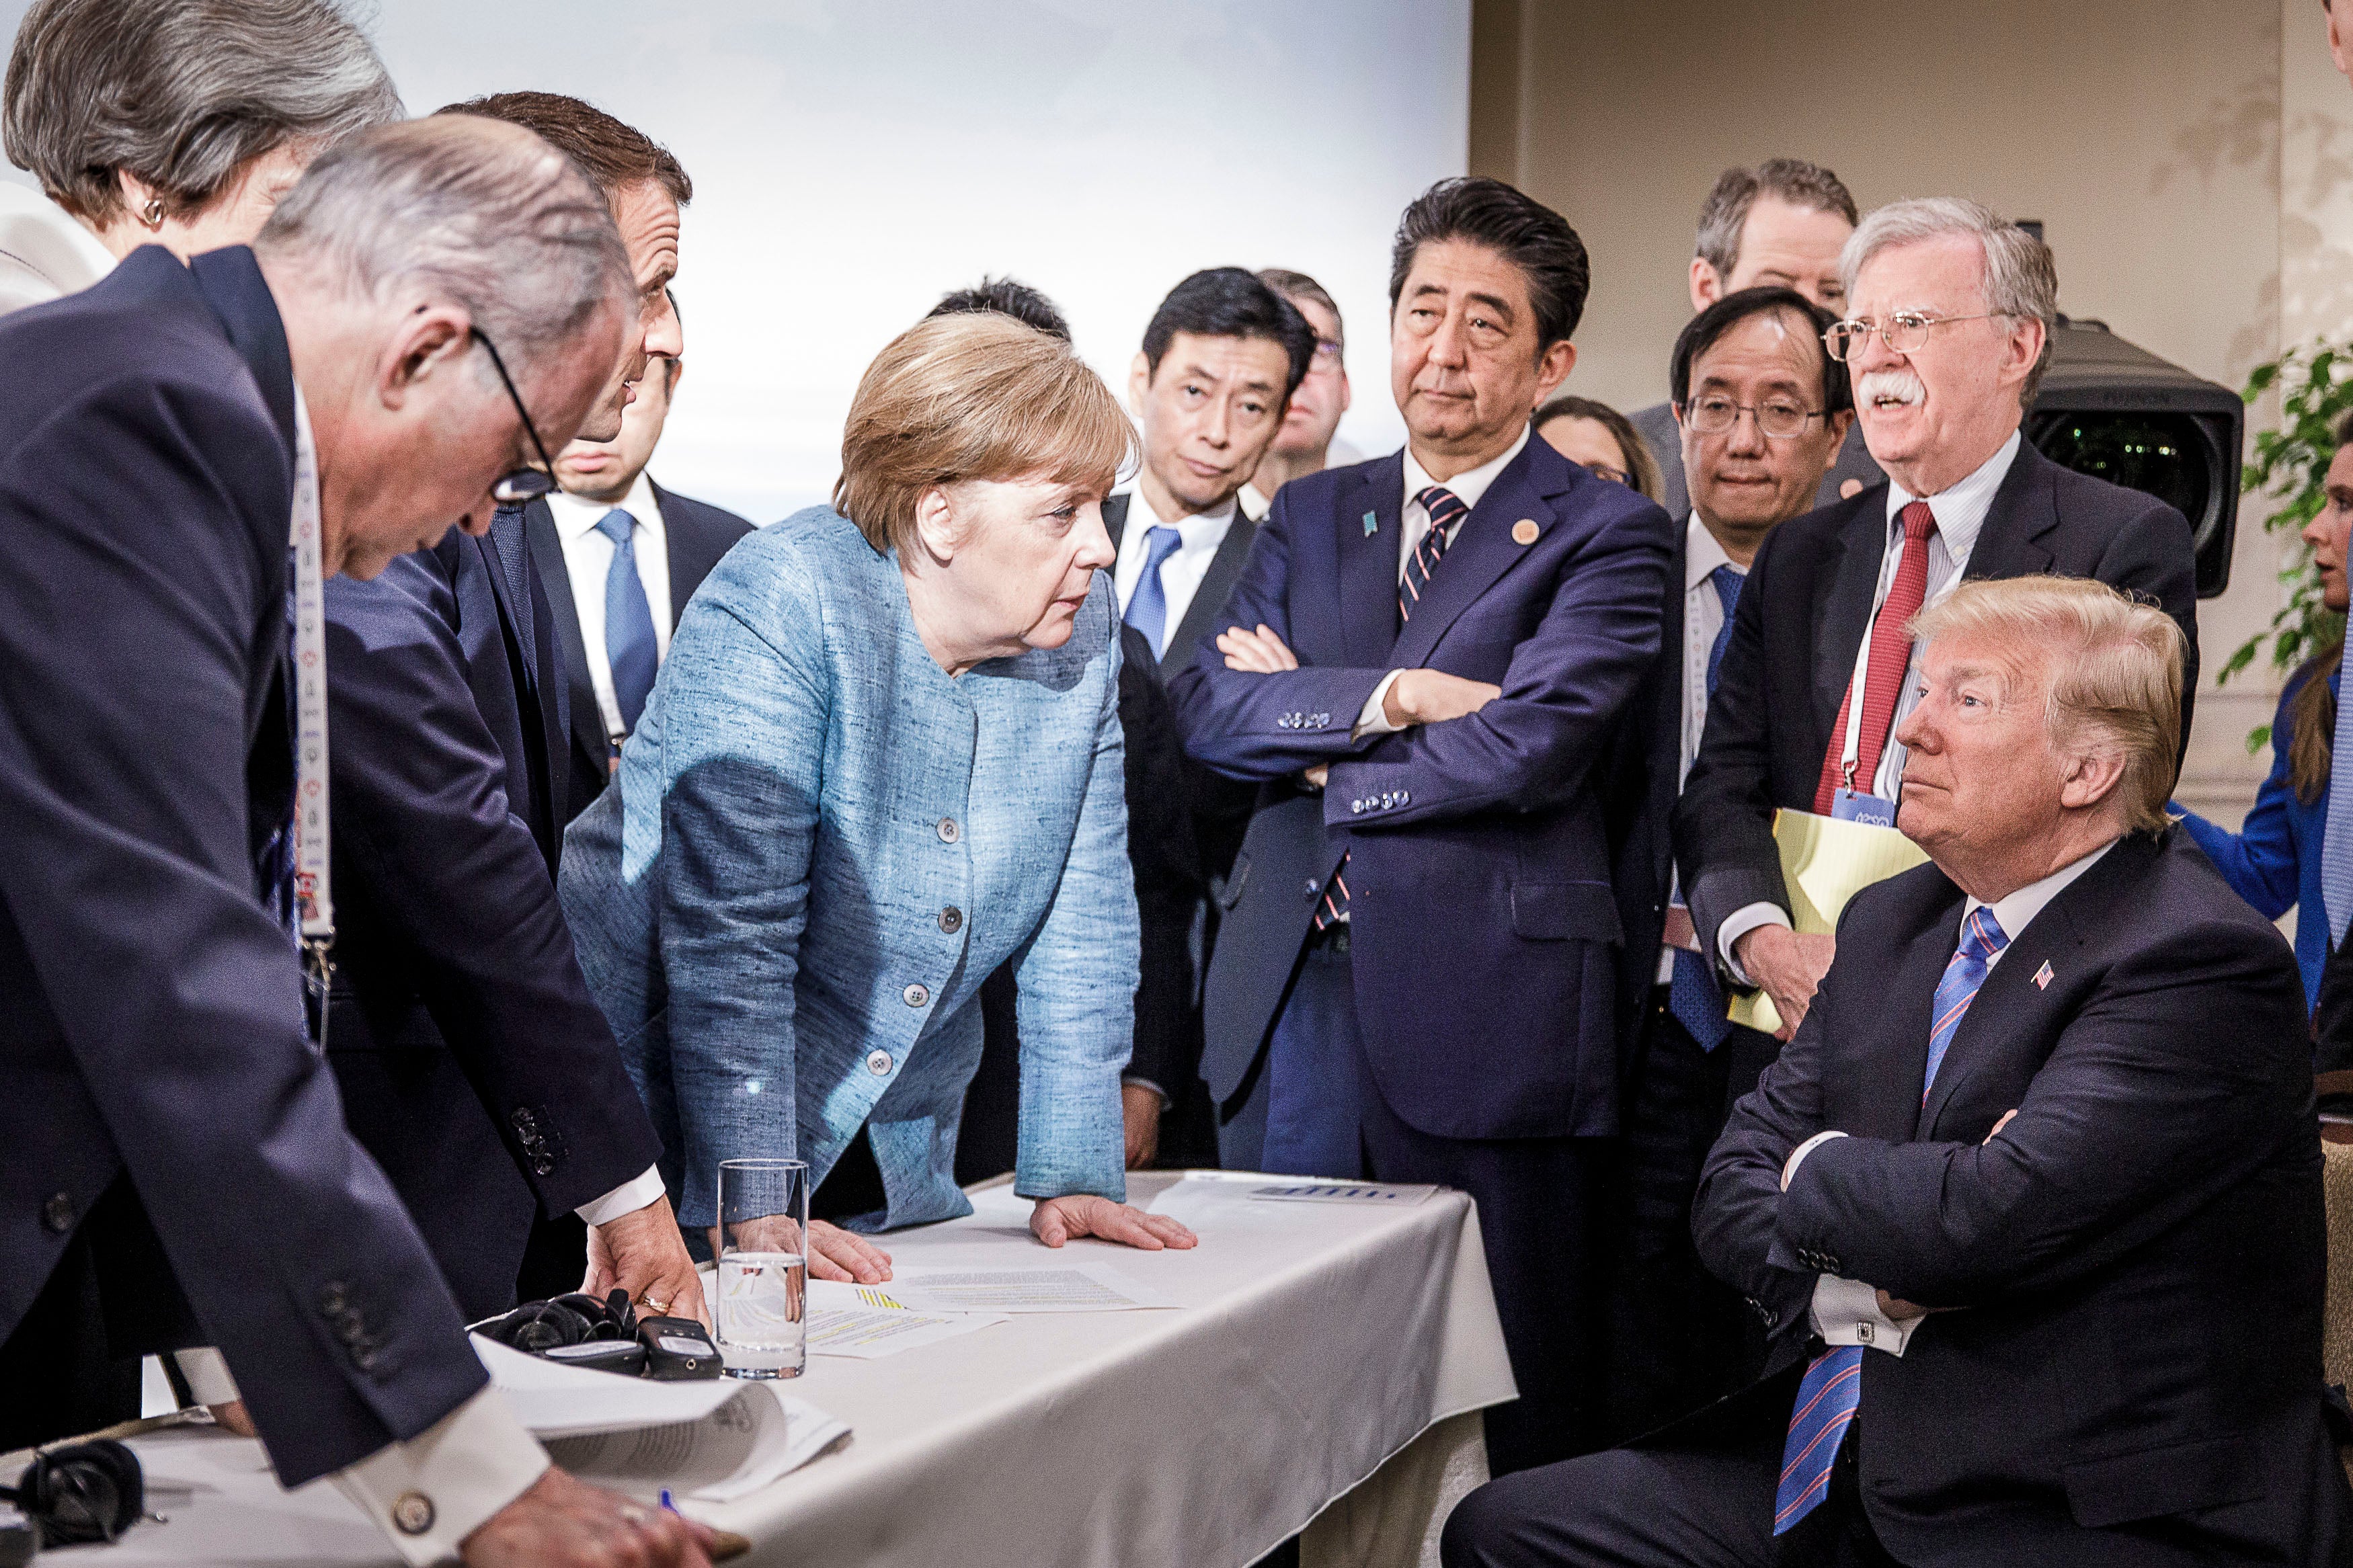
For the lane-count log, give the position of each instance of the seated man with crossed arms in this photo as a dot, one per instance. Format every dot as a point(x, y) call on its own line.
point(2031, 1201)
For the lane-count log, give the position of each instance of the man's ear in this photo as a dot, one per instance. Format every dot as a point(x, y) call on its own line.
point(2090, 778)
point(1840, 422)
point(2026, 340)
point(936, 525)
point(1139, 385)
point(1551, 368)
point(428, 342)
point(1706, 286)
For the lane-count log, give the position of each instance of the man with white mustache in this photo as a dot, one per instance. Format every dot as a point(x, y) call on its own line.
point(1948, 333)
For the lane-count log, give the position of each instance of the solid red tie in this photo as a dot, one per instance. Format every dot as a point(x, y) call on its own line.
point(1891, 656)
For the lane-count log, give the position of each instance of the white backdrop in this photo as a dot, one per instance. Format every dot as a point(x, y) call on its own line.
point(854, 159)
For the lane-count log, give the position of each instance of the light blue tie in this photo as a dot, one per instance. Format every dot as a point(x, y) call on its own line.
point(1694, 998)
point(1147, 607)
point(1832, 1390)
point(630, 650)
point(2336, 839)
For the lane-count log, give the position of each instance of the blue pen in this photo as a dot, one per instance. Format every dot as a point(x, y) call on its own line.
point(668, 1505)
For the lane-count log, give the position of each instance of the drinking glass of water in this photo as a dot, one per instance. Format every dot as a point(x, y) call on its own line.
point(762, 1309)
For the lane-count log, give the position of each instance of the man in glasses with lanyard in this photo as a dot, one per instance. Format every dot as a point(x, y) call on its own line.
point(1951, 309)
point(474, 1064)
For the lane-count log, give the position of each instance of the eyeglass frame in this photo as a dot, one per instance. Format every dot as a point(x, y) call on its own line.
point(524, 485)
point(1856, 326)
point(1328, 352)
point(1754, 412)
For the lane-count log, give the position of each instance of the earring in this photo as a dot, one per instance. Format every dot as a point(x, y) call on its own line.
point(152, 214)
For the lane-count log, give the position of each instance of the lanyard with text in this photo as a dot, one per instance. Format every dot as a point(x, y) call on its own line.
point(314, 903)
point(1847, 803)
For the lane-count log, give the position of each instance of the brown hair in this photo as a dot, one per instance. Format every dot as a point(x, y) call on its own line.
point(1297, 286)
point(2116, 672)
point(976, 396)
point(1641, 468)
point(617, 156)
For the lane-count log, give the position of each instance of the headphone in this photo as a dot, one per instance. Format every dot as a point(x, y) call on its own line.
point(81, 1493)
point(537, 1327)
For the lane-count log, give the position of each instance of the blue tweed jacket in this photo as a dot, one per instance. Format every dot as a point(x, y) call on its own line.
point(820, 846)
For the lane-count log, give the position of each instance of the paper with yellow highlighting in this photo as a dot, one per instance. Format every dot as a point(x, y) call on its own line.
point(1825, 862)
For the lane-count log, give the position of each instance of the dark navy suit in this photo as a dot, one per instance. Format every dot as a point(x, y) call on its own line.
point(475, 1066)
point(173, 1139)
point(1477, 985)
point(696, 534)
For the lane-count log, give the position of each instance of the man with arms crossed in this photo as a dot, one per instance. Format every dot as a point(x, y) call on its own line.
point(2032, 1202)
point(1424, 667)
point(179, 1172)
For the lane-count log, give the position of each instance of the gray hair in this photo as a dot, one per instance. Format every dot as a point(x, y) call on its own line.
point(481, 214)
point(181, 93)
point(2019, 278)
point(1724, 217)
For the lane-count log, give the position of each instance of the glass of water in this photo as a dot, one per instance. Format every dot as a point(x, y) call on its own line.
point(762, 1267)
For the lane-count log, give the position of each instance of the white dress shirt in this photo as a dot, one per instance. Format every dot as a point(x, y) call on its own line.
point(1180, 575)
point(1846, 1312)
point(1413, 523)
point(588, 560)
point(1960, 509)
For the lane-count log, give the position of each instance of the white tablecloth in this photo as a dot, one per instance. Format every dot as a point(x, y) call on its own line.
point(1317, 1340)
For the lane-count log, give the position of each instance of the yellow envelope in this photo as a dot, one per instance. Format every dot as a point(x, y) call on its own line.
point(1825, 862)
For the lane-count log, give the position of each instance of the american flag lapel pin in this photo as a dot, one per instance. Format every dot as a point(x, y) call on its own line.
point(2042, 976)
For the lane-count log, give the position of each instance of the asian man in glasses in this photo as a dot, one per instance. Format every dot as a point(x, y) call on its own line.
point(473, 1063)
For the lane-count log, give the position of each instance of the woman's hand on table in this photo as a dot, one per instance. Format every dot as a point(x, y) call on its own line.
point(1057, 1220)
point(838, 1254)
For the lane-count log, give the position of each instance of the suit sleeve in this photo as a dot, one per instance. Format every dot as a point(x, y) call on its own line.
point(1723, 819)
point(741, 731)
point(1566, 689)
point(2183, 1072)
point(140, 591)
point(1248, 725)
point(1077, 981)
point(2154, 557)
point(1166, 870)
point(421, 816)
point(2260, 860)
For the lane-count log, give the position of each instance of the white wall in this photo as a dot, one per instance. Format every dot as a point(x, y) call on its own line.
point(854, 159)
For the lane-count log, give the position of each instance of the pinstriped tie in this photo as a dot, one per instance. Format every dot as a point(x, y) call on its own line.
point(1832, 1390)
point(1446, 509)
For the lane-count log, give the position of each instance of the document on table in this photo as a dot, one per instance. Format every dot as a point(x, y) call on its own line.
point(866, 1322)
point(1238, 1201)
point(1404, 1196)
point(712, 1440)
point(1081, 1287)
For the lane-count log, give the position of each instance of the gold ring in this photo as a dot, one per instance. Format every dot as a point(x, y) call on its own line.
point(654, 1304)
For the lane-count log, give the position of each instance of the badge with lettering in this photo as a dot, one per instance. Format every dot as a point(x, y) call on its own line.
point(1853, 805)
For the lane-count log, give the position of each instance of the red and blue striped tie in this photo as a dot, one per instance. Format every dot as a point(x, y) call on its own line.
point(1446, 509)
point(1832, 1390)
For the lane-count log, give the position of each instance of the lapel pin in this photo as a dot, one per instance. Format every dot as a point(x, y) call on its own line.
point(1372, 524)
point(1523, 532)
point(2042, 976)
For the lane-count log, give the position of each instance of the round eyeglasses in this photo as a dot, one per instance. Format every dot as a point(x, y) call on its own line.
point(1711, 414)
point(1903, 333)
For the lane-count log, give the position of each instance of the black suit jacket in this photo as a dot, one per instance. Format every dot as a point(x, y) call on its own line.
point(2132, 1372)
point(1802, 616)
point(475, 1065)
point(150, 1008)
point(697, 534)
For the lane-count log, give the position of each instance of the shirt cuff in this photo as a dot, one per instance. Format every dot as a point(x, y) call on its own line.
point(1846, 1312)
point(628, 1198)
point(1739, 923)
point(207, 1374)
point(1138, 1080)
point(431, 1492)
point(1373, 718)
point(1798, 1154)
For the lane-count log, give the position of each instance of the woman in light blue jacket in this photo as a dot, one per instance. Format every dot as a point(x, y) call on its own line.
point(882, 758)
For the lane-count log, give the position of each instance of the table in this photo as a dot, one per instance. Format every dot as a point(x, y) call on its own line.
point(1321, 1346)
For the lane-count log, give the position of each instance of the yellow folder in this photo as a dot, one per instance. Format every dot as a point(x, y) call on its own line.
point(1825, 862)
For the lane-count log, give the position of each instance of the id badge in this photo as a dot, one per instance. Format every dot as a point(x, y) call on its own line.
point(1853, 805)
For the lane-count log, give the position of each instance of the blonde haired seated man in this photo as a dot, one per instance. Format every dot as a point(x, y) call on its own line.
point(2032, 1202)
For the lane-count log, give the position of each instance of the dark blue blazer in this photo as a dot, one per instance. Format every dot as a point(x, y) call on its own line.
point(1485, 939)
point(149, 1007)
point(475, 1065)
point(697, 534)
point(2133, 1371)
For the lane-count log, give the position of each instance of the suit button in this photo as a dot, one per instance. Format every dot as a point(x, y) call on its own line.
point(1405, 797)
point(1322, 719)
point(412, 1513)
point(951, 920)
point(949, 831)
point(542, 1166)
point(878, 1063)
point(331, 1300)
point(59, 1212)
point(1312, 887)
point(916, 995)
point(1355, 808)
point(1283, 722)
point(364, 1358)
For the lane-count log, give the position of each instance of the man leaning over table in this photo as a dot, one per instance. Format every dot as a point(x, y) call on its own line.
point(1949, 330)
point(2032, 1202)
